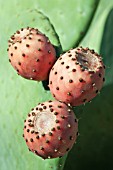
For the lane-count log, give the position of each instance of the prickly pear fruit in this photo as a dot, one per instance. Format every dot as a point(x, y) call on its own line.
point(50, 129)
point(77, 76)
point(31, 54)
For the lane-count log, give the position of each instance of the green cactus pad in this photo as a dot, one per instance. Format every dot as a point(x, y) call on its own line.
point(18, 95)
point(93, 150)
point(36, 19)
point(70, 18)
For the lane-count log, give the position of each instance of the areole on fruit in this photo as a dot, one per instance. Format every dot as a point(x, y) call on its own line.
point(50, 129)
point(77, 76)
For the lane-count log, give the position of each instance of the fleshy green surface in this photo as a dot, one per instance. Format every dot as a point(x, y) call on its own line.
point(70, 18)
point(93, 150)
point(34, 18)
point(17, 95)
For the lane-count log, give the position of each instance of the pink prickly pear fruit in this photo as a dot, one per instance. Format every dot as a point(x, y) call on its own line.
point(31, 54)
point(50, 129)
point(77, 76)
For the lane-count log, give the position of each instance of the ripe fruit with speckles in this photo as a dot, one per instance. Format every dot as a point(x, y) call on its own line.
point(31, 54)
point(77, 76)
point(50, 129)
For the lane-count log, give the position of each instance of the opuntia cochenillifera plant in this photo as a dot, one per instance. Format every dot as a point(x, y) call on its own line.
point(31, 54)
point(75, 23)
point(77, 76)
point(50, 129)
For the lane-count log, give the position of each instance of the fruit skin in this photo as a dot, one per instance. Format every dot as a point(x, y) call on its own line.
point(56, 130)
point(77, 76)
point(31, 54)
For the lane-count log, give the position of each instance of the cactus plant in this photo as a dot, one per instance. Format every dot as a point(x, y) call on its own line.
point(65, 29)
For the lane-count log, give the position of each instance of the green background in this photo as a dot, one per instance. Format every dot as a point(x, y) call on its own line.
point(67, 24)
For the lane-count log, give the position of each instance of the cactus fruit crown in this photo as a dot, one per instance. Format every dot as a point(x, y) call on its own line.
point(31, 54)
point(50, 129)
point(87, 59)
point(43, 122)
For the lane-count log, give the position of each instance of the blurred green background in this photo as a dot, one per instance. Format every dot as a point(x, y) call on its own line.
point(67, 24)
